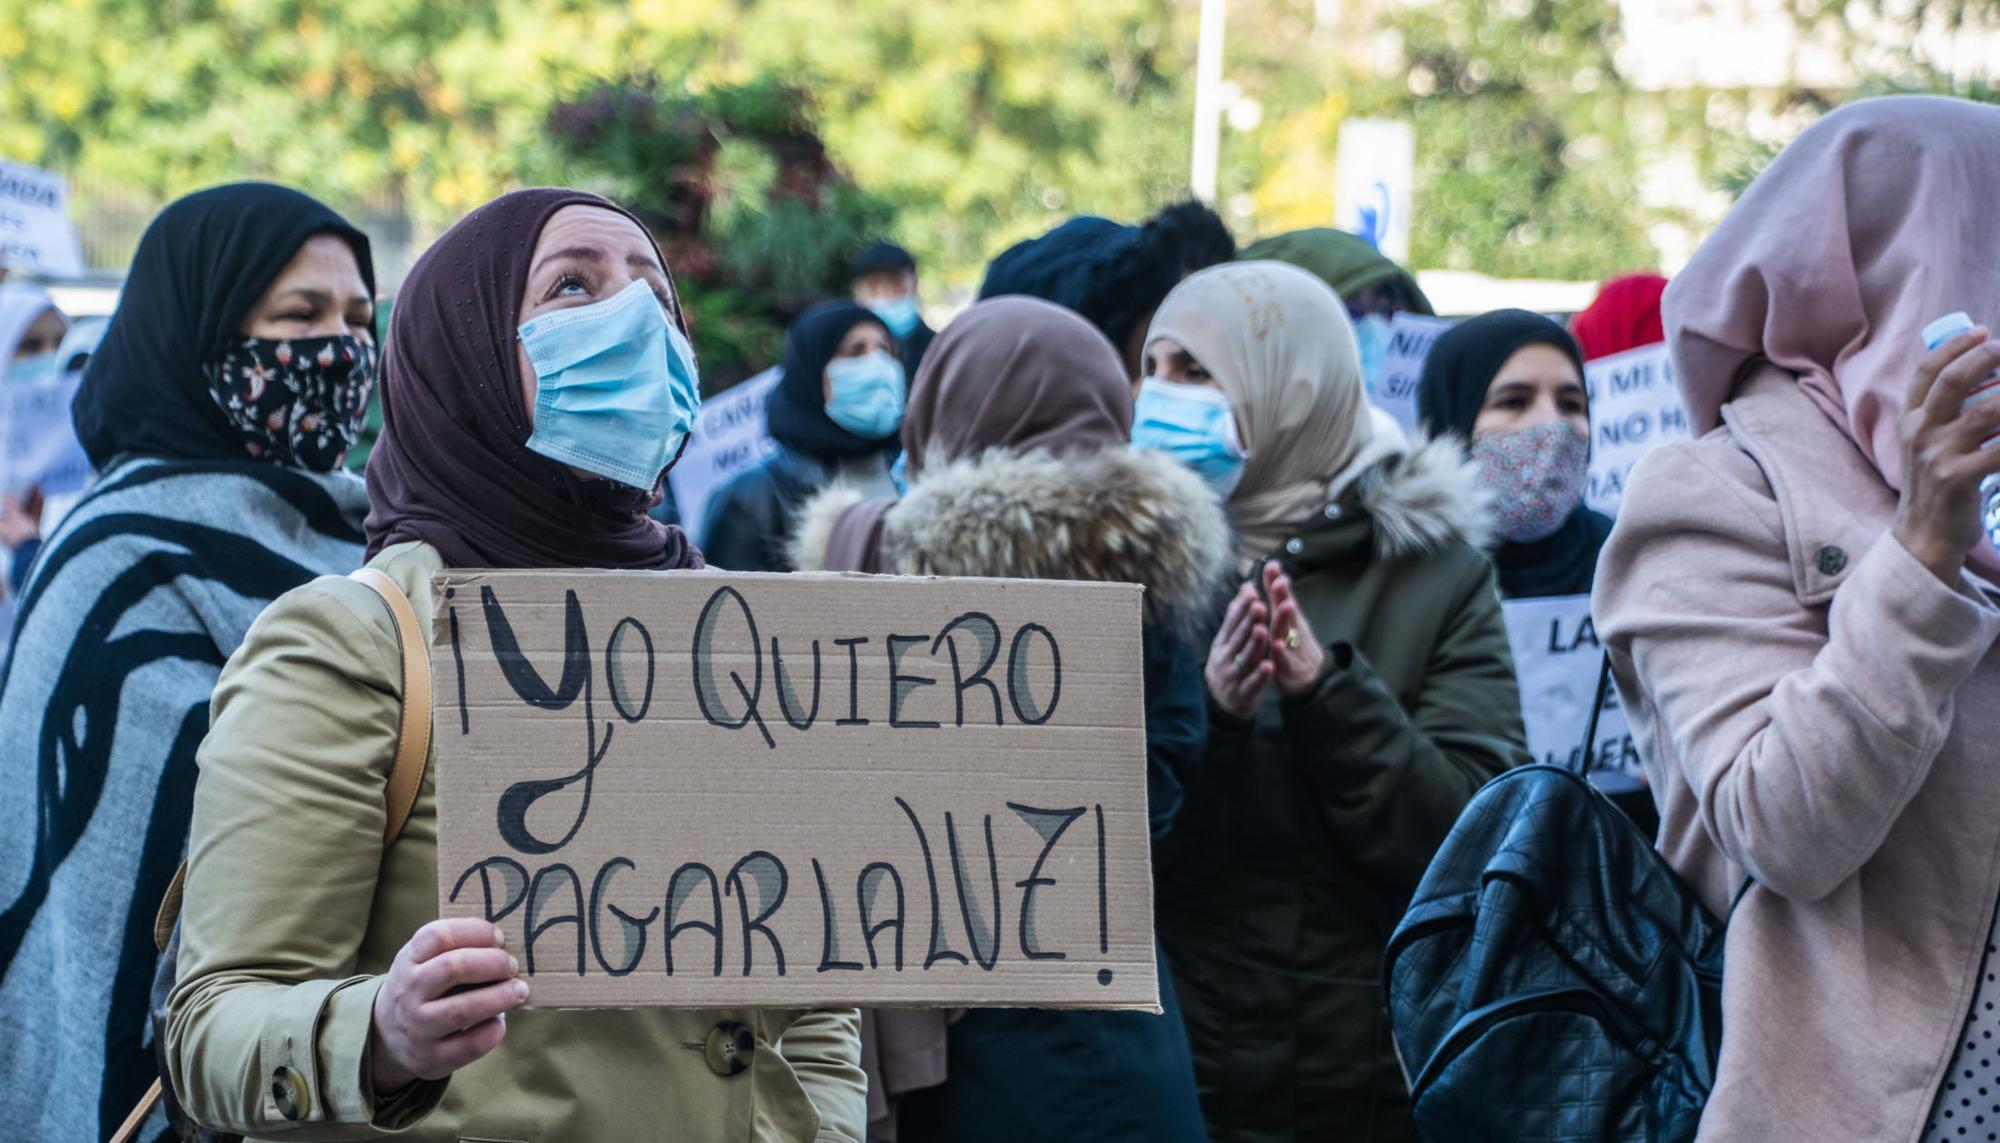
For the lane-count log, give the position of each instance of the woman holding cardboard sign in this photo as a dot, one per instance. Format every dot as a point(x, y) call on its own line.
point(537, 387)
point(1360, 691)
point(1020, 467)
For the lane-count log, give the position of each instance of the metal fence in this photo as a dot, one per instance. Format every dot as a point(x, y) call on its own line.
point(109, 219)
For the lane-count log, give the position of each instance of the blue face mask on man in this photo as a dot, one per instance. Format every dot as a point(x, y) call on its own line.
point(898, 313)
point(865, 394)
point(616, 387)
point(1193, 422)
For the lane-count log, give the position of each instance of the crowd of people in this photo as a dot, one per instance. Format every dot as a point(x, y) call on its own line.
point(1799, 610)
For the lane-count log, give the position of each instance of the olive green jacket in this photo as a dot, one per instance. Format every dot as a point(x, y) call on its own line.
point(1305, 831)
point(294, 911)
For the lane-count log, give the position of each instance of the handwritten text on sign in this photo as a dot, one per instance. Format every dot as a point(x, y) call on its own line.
point(1634, 407)
point(699, 789)
point(1410, 339)
point(1557, 658)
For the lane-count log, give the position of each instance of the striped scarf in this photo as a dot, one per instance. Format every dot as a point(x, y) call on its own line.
point(132, 608)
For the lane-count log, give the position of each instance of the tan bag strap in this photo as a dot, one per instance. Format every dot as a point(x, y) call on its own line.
point(413, 738)
point(413, 730)
point(137, 1119)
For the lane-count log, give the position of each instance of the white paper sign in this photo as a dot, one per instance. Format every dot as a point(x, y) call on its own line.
point(1634, 407)
point(1410, 339)
point(35, 233)
point(38, 445)
point(729, 436)
point(1557, 659)
point(1374, 170)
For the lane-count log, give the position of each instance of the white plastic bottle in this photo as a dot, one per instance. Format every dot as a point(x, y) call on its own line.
point(1936, 334)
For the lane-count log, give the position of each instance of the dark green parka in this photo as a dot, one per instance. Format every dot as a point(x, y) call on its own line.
point(1306, 831)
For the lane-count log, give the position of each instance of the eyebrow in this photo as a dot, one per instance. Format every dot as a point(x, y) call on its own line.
point(1530, 383)
point(323, 298)
point(593, 254)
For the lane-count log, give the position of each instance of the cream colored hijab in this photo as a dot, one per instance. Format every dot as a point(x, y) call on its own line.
point(1279, 343)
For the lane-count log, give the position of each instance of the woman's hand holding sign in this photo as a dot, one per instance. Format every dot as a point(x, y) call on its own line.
point(443, 1003)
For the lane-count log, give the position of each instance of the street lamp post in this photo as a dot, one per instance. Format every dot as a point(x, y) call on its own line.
point(1208, 99)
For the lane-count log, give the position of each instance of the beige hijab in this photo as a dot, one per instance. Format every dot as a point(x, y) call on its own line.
point(1279, 343)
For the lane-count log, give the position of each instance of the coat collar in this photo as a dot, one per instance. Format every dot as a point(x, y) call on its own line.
point(1406, 505)
point(1833, 503)
point(1111, 514)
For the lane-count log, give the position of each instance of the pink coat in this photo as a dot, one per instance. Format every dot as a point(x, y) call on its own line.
point(1817, 712)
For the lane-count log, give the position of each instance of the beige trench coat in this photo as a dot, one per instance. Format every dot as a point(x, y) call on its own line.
point(294, 911)
point(1821, 714)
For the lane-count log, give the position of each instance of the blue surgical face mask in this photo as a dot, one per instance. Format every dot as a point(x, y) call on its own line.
point(1371, 337)
point(866, 394)
point(1195, 424)
point(616, 389)
point(899, 314)
point(32, 370)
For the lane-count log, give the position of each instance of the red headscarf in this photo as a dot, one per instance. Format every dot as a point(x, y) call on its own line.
point(1626, 315)
point(452, 466)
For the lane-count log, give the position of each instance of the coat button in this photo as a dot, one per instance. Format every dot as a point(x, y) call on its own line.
point(1333, 511)
point(1830, 560)
point(729, 1047)
point(289, 1092)
point(1294, 546)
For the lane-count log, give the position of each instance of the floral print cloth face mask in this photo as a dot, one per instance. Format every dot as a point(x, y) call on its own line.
point(1537, 476)
point(297, 401)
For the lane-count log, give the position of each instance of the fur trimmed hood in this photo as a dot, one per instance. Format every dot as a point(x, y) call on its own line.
point(1113, 514)
point(1426, 498)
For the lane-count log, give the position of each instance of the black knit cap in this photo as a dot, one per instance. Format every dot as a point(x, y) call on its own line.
point(881, 257)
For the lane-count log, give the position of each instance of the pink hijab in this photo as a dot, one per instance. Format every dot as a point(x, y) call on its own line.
point(1872, 223)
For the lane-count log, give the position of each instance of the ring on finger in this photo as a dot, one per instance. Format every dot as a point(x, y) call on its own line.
point(1292, 638)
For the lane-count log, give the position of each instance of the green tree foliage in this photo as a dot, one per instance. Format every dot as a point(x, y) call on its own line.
point(978, 122)
point(1526, 159)
point(735, 182)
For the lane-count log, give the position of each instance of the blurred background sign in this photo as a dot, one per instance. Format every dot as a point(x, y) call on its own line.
point(1374, 169)
point(35, 234)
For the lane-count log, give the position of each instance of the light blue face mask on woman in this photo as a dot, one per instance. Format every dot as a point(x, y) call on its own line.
point(1371, 337)
point(866, 394)
point(1193, 422)
point(36, 370)
point(616, 388)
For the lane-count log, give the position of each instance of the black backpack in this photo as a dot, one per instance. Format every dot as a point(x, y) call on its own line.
point(1553, 980)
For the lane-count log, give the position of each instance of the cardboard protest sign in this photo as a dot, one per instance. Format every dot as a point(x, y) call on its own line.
point(708, 789)
point(1557, 659)
point(729, 436)
point(1634, 407)
point(35, 233)
point(38, 445)
point(1410, 339)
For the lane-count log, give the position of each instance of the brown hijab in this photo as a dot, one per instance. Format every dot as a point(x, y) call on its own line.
point(452, 467)
point(1013, 373)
